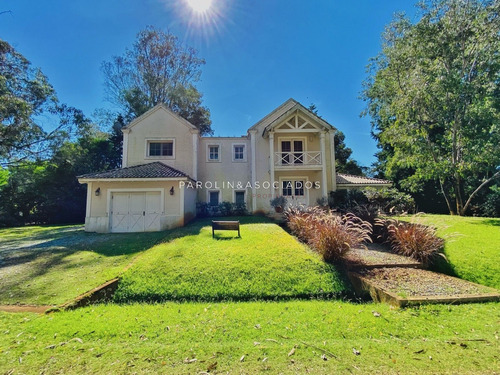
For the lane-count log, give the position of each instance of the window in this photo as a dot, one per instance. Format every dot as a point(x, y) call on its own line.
point(239, 153)
point(213, 152)
point(287, 188)
point(293, 188)
point(213, 198)
point(239, 197)
point(160, 149)
point(292, 151)
point(299, 188)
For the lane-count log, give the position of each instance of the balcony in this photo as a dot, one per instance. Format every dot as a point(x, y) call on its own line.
point(302, 160)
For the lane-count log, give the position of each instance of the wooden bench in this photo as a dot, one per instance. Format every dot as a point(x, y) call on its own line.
point(225, 225)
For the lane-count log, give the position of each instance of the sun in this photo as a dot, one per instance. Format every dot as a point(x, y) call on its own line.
point(199, 6)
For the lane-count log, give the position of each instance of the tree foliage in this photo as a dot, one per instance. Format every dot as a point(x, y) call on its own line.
point(158, 69)
point(31, 118)
point(434, 98)
point(343, 161)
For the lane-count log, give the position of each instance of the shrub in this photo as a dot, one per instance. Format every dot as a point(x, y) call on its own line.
point(225, 208)
point(330, 234)
point(386, 200)
point(414, 240)
point(390, 200)
point(279, 201)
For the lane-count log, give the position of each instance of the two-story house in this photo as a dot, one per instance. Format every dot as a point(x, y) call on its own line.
point(168, 167)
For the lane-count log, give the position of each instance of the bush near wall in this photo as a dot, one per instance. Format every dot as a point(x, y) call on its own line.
point(204, 209)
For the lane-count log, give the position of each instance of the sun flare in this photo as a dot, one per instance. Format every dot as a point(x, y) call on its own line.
point(199, 6)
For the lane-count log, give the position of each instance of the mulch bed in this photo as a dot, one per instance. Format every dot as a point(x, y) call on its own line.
point(377, 255)
point(408, 282)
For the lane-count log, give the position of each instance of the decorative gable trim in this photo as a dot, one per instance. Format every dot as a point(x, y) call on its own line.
point(298, 119)
point(155, 109)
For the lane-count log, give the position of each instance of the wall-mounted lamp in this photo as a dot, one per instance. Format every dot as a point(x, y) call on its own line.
point(172, 190)
point(98, 192)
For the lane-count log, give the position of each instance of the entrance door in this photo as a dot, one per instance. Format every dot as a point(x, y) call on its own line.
point(135, 212)
point(294, 191)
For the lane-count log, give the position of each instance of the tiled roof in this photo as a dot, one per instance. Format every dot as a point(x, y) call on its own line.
point(349, 179)
point(150, 170)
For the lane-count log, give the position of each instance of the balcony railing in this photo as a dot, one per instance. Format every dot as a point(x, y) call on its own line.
point(297, 158)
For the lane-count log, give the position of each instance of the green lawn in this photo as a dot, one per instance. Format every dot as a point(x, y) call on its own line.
point(249, 337)
point(49, 265)
point(265, 263)
point(296, 336)
point(472, 246)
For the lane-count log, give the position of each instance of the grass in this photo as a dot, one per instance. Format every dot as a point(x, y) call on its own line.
point(251, 337)
point(265, 263)
point(472, 247)
point(49, 265)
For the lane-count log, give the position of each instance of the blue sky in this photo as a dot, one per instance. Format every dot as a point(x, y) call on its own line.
point(258, 53)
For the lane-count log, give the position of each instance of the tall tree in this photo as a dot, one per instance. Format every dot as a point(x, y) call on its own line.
point(434, 98)
point(26, 101)
point(158, 69)
point(343, 161)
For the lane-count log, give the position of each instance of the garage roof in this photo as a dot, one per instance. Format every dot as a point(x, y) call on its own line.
point(352, 180)
point(151, 170)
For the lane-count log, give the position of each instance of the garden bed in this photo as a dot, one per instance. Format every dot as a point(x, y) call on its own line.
point(375, 256)
point(405, 286)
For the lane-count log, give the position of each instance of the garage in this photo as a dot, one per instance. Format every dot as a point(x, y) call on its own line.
point(135, 211)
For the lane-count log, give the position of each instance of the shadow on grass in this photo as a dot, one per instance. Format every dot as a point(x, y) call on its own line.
point(441, 264)
point(493, 222)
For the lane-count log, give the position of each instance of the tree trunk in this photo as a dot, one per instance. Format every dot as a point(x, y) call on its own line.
point(448, 202)
point(483, 184)
point(458, 196)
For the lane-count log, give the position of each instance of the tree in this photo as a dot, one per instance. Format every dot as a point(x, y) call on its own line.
point(433, 95)
point(158, 69)
point(343, 161)
point(27, 99)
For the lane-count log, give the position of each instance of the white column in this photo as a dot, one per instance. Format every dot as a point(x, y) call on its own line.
point(332, 159)
point(323, 165)
point(181, 193)
point(253, 176)
point(271, 160)
point(89, 199)
point(195, 154)
point(125, 147)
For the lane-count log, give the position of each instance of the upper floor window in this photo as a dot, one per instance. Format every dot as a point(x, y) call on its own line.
point(239, 153)
point(213, 153)
point(160, 148)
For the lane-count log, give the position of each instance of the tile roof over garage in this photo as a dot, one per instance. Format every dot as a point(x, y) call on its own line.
point(351, 180)
point(150, 170)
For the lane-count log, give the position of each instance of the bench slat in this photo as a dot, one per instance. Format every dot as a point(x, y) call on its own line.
point(225, 225)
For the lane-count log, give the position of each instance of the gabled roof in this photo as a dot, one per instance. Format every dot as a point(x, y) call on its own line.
point(156, 108)
point(345, 180)
point(285, 110)
point(150, 170)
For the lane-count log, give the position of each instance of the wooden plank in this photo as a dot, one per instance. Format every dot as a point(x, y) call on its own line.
point(225, 225)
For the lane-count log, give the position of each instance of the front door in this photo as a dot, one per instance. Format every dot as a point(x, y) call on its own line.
point(294, 191)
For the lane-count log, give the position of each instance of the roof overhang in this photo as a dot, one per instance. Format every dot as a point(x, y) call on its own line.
point(340, 186)
point(87, 180)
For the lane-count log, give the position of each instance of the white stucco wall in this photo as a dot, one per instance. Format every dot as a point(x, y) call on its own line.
point(98, 211)
point(161, 125)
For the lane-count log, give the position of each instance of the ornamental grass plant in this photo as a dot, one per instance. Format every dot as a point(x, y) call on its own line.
point(328, 233)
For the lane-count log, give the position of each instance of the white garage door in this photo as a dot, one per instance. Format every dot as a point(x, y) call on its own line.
point(135, 212)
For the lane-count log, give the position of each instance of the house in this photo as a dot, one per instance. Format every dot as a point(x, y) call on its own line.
point(168, 167)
